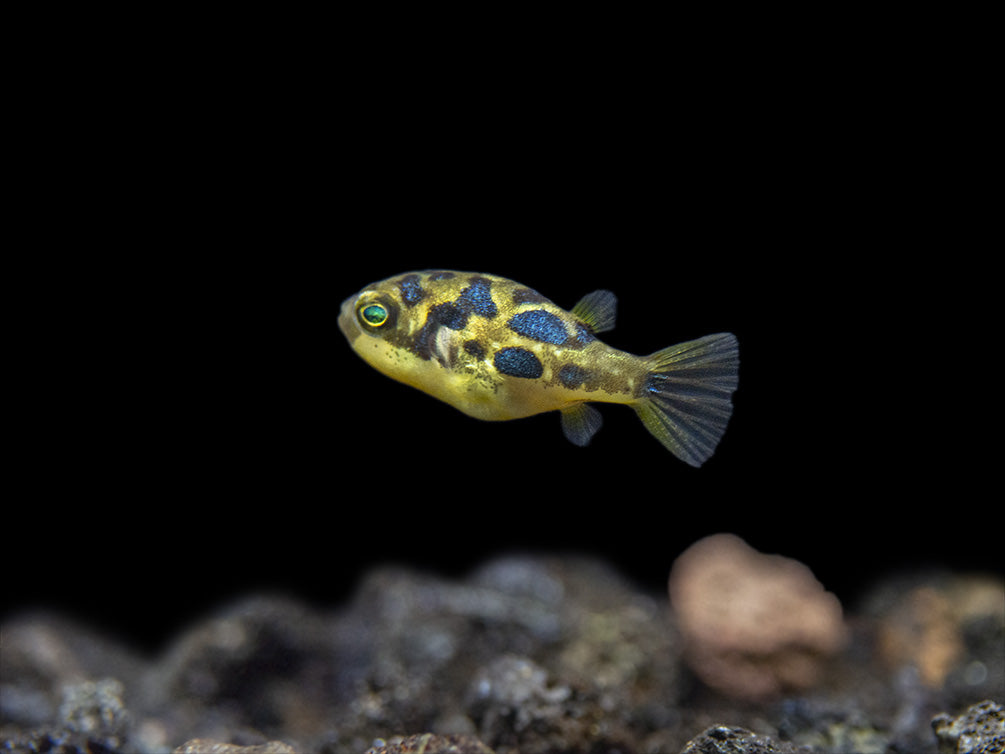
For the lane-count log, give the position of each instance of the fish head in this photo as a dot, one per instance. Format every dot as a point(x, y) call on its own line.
point(372, 323)
point(405, 327)
point(451, 335)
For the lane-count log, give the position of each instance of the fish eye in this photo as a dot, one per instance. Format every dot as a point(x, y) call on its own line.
point(373, 315)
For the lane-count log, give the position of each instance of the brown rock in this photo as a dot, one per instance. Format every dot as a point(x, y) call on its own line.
point(754, 625)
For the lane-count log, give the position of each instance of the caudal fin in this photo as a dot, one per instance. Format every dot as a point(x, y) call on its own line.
point(686, 403)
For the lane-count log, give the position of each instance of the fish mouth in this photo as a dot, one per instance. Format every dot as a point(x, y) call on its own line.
point(346, 319)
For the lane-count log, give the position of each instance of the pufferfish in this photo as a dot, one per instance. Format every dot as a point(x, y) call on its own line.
point(497, 350)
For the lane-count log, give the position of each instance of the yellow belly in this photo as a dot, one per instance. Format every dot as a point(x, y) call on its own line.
point(477, 389)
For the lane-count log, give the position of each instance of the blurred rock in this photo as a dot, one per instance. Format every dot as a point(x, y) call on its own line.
point(261, 664)
point(514, 696)
point(44, 655)
point(754, 625)
point(510, 654)
point(951, 630)
point(525, 655)
point(850, 724)
point(94, 710)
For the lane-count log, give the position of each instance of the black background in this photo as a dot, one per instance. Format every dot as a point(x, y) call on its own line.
point(193, 427)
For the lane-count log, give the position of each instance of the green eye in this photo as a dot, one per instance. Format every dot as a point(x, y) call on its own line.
point(374, 315)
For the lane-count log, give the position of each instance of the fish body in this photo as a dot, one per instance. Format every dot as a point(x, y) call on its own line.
point(498, 350)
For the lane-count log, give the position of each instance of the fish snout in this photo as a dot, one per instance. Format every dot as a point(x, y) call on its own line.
point(347, 318)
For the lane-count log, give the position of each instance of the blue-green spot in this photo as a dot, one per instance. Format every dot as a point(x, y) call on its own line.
point(540, 325)
point(572, 376)
point(411, 290)
point(477, 298)
point(518, 362)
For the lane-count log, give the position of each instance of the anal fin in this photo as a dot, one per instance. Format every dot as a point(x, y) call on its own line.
point(580, 423)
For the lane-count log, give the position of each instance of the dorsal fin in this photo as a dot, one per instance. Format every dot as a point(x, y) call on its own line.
point(597, 310)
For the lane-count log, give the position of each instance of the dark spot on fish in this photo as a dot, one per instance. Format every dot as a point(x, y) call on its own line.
point(528, 296)
point(474, 348)
point(447, 315)
point(411, 290)
point(442, 315)
point(584, 335)
point(442, 275)
point(572, 376)
point(477, 298)
point(540, 325)
point(518, 362)
point(422, 343)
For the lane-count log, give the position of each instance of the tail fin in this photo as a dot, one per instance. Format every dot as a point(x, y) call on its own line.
point(685, 403)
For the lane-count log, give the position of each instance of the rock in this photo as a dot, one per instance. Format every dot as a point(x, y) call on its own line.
point(262, 665)
point(532, 651)
point(723, 739)
point(754, 625)
point(949, 629)
point(45, 655)
point(95, 711)
point(979, 730)
point(526, 654)
point(202, 746)
point(427, 743)
point(514, 695)
point(847, 725)
point(46, 695)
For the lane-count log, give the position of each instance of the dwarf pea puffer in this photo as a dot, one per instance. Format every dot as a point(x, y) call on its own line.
point(496, 350)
